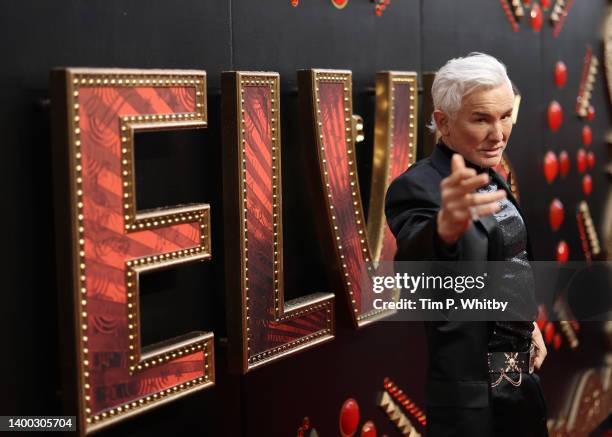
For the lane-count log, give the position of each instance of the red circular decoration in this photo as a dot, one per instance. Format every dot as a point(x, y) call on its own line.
point(562, 252)
point(549, 332)
point(294, 3)
point(557, 341)
point(560, 74)
point(590, 113)
point(590, 159)
point(339, 3)
point(564, 163)
point(537, 18)
point(368, 429)
point(551, 166)
point(555, 116)
point(581, 160)
point(556, 214)
point(378, 11)
point(545, 4)
point(587, 135)
point(349, 418)
point(587, 184)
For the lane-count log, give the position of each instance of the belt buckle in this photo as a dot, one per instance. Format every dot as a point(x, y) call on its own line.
point(532, 357)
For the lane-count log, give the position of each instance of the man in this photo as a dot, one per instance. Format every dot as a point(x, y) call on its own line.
point(453, 206)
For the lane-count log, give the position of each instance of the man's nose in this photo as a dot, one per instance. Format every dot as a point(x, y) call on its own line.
point(496, 133)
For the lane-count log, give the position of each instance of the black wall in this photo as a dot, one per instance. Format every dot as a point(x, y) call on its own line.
point(271, 36)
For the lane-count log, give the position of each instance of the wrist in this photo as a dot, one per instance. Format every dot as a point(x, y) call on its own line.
point(443, 236)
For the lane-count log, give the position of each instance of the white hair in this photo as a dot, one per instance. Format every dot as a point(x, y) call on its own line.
point(462, 76)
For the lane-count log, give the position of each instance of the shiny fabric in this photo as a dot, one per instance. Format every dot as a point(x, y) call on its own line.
point(517, 281)
point(517, 411)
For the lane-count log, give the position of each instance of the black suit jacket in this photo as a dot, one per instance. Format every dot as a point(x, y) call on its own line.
point(457, 388)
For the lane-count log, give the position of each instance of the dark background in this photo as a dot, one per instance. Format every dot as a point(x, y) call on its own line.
point(269, 35)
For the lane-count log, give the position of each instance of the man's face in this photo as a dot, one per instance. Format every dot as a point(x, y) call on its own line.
point(480, 129)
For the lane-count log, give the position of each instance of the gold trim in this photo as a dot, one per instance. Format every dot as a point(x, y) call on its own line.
point(587, 82)
point(81, 77)
point(383, 150)
point(584, 213)
point(343, 77)
point(283, 310)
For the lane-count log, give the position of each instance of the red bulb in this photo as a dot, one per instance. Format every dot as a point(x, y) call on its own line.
point(590, 158)
point(349, 418)
point(587, 135)
point(556, 214)
point(549, 332)
point(537, 18)
point(581, 160)
point(587, 184)
point(368, 429)
point(545, 4)
point(551, 166)
point(555, 116)
point(564, 163)
point(562, 252)
point(557, 341)
point(378, 11)
point(590, 113)
point(560, 74)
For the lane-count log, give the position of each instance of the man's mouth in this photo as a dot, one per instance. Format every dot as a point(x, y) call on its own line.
point(493, 151)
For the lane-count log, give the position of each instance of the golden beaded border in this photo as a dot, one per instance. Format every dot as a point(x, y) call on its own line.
point(257, 80)
point(383, 128)
point(132, 408)
point(411, 79)
point(129, 126)
point(294, 346)
point(309, 305)
point(586, 86)
point(76, 78)
point(384, 143)
point(345, 78)
point(395, 77)
point(587, 220)
point(133, 269)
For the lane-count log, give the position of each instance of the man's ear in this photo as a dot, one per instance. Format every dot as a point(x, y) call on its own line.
point(441, 120)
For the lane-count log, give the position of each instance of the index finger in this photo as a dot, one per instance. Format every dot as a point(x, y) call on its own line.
point(457, 162)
